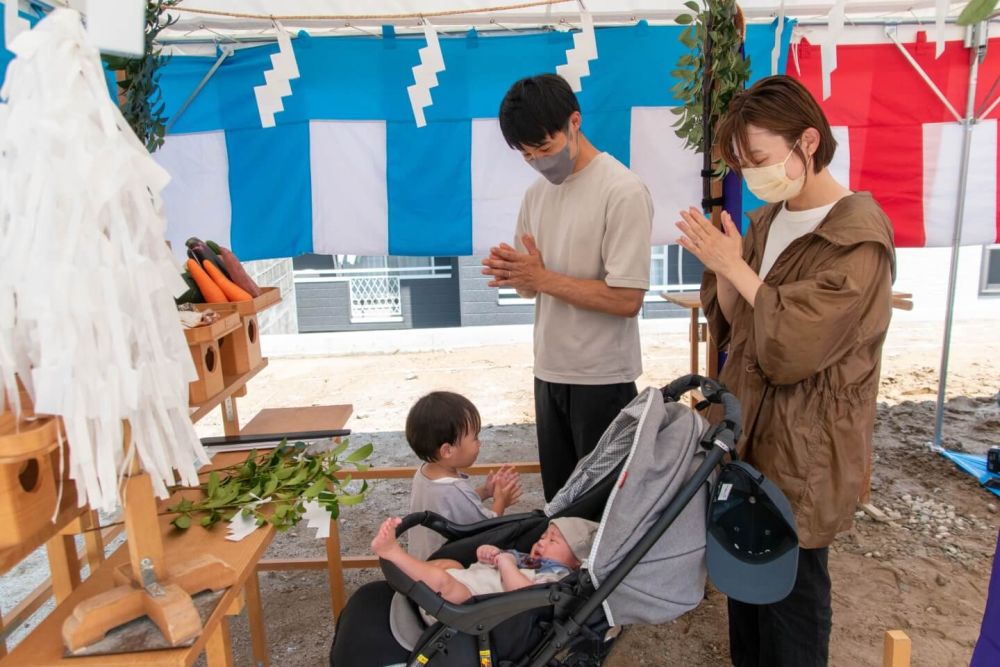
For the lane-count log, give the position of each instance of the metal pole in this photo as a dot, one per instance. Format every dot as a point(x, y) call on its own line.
point(226, 52)
point(977, 38)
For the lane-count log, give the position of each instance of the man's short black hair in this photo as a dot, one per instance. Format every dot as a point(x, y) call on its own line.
point(535, 108)
point(438, 418)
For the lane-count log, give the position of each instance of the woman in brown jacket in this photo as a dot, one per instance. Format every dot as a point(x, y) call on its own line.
point(802, 305)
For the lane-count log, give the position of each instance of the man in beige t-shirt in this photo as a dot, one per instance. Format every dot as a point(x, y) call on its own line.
point(582, 250)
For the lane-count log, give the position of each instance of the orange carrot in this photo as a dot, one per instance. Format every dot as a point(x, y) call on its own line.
point(232, 291)
point(212, 292)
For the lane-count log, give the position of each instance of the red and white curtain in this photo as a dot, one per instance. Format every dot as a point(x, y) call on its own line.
point(900, 142)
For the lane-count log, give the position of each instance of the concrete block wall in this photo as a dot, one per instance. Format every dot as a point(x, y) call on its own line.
point(479, 301)
point(281, 318)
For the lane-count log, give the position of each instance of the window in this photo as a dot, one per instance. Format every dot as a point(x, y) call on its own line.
point(673, 269)
point(989, 282)
point(374, 282)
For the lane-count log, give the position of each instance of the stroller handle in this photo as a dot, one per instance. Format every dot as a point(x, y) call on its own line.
point(451, 530)
point(729, 427)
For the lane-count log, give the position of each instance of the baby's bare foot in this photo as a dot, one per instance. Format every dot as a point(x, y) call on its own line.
point(385, 543)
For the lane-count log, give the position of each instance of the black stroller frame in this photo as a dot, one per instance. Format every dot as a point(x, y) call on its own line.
point(574, 602)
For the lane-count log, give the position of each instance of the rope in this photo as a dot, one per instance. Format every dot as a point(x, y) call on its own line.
point(360, 17)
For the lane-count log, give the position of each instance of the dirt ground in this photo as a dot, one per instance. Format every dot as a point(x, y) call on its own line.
point(924, 571)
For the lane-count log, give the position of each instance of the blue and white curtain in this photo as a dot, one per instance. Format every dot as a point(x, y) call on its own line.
point(347, 171)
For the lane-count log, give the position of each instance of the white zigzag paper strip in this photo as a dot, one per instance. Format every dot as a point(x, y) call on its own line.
point(317, 517)
point(776, 50)
point(284, 68)
point(14, 25)
point(425, 74)
point(828, 51)
point(578, 58)
point(240, 526)
point(941, 8)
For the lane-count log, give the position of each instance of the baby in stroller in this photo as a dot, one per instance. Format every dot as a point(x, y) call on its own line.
point(559, 551)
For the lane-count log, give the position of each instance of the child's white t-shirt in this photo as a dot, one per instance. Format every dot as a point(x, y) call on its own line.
point(451, 497)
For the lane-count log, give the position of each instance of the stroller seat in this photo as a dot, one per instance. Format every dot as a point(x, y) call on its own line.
point(646, 482)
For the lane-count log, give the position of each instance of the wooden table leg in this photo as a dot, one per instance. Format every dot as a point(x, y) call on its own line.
point(712, 352)
point(335, 570)
point(694, 341)
point(219, 647)
point(230, 417)
point(64, 565)
point(255, 617)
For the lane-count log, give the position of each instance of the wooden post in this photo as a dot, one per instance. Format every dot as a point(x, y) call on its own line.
point(230, 417)
point(92, 539)
point(897, 649)
point(335, 568)
point(255, 617)
point(64, 565)
point(143, 530)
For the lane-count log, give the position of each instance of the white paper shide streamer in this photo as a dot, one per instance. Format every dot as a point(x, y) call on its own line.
point(425, 74)
point(87, 317)
point(578, 58)
point(284, 68)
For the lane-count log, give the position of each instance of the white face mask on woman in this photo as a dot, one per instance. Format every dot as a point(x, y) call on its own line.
point(771, 183)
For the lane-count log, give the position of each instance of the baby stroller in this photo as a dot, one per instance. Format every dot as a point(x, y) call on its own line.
point(647, 482)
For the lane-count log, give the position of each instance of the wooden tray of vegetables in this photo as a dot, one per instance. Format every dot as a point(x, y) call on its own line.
point(268, 297)
point(216, 279)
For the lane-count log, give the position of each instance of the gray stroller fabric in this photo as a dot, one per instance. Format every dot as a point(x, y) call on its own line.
point(613, 447)
point(661, 442)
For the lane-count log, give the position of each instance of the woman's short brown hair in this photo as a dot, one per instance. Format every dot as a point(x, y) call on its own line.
point(781, 105)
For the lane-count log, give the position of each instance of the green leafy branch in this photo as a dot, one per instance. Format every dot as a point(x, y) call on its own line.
point(976, 11)
point(289, 477)
point(713, 23)
point(142, 103)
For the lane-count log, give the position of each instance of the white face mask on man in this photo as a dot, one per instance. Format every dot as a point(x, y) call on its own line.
point(771, 183)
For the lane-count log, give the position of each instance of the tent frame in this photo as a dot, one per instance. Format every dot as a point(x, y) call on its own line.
point(977, 39)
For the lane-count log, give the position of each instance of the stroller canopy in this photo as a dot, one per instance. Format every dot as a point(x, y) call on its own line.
point(659, 445)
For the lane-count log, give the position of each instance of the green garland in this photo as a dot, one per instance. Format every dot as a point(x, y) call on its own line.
point(727, 71)
point(976, 11)
point(143, 105)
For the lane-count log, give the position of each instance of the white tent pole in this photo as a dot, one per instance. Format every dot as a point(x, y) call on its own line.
point(976, 38)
